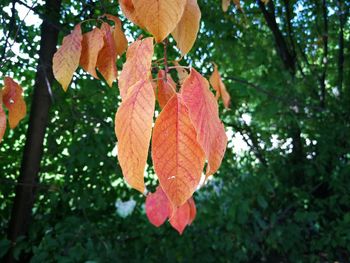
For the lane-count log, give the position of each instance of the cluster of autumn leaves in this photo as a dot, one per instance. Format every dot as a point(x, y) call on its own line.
point(188, 134)
point(98, 48)
point(11, 97)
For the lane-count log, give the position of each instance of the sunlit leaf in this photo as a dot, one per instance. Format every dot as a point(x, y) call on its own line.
point(13, 100)
point(180, 217)
point(121, 43)
point(160, 17)
point(66, 59)
point(157, 207)
point(129, 11)
point(91, 45)
point(137, 66)
point(133, 127)
point(106, 61)
point(177, 157)
point(186, 31)
point(203, 110)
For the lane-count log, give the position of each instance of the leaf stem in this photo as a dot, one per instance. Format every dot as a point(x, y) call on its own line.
point(166, 68)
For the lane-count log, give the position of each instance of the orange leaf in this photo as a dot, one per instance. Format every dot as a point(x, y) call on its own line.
point(157, 207)
point(160, 17)
point(193, 210)
point(121, 43)
point(219, 86)
point(181, 217)
point(66, 59)
point(2, 122)
point(91, 45)
point(186, 31)
point(129, 11)
point(203, 110)
point(166, 88)
point(106, 61)
point(177, 157)
point(133, 127)
point(137, 66)
point(14, 102)
point(225, 5)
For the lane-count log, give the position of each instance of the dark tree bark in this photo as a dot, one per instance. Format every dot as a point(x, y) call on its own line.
point(33, 150)
point(287, 56)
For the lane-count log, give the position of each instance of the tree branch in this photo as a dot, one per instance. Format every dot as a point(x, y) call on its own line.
point(281, 45)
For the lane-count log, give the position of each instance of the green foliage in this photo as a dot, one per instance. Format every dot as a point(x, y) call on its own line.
point(285, 199)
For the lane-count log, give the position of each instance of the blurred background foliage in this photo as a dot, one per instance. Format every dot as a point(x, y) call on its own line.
point(282, 193)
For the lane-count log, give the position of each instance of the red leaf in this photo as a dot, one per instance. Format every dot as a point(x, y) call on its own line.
point(203, 110)
point(193, 210)
point(106, 61)
point(177, 157)
point(133, 127)
point(180, 217)
point(166, 88)
point(2, 122)
point(137, 66)
point(14, 102)
point(157, 207)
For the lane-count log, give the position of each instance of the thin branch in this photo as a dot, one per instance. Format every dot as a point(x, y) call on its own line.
point(166, 69)
point(4, 59)
point(11, 28)
point(245, 129)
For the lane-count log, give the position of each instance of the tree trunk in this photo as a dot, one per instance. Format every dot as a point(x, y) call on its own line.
point(33, 150)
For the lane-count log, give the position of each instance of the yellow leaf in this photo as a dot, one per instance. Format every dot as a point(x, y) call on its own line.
point(219, 86)
point(106, 61)
point(129, 11)
point(14, 102)
point(137, 66)
point(133, 127)
point(66, 59)
point(160, 17)
point(91, 45)
point(186, 31)
point(177, 157)
point(225, 5)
